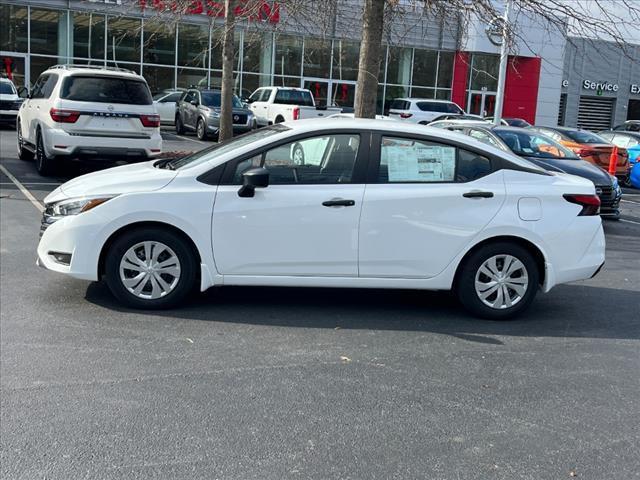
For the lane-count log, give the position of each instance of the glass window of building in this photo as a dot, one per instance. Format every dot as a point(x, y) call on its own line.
point(392, 92)
point(445, 69)
point(193, 45)
point(189, 77)
point(159, 42)
point(399, 66)
point(420, 92)
point(158, 78)
point(425, 65)
point(123, 39)
point(256, 52)
point(288, 59)
point(14, 30)
point(484, 72)
point(443, 94)
point(317, 57)
point(47, 36)
point(250, 83)
point(216, 49)
point(346, 56)
point(88, 35)
point(38, 65)
point(286, 82)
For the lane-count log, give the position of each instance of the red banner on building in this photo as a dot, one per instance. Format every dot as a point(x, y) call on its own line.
point(254, 10)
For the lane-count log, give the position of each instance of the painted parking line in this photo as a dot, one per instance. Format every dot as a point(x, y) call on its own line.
point(23, 189)
point(32, 183)
point(629, 221)
point(192, 139)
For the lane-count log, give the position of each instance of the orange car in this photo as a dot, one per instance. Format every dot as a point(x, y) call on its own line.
point(589, 146)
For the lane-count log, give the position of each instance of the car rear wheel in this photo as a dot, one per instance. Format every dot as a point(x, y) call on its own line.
point(44, 164)
point(498, 281)
point(179, 125)
point(201, 130)
point(150, 268)
point(298, 154)
point(23, 153)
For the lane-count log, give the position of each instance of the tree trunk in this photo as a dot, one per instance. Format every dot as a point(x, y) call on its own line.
point(226, 104)
point(369, 66)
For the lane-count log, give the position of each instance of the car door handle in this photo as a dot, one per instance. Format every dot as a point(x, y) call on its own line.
point(339, 202)
point(477, 194)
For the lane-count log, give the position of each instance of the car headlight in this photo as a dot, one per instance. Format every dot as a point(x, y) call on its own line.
point(214, 114)
point(74, 206)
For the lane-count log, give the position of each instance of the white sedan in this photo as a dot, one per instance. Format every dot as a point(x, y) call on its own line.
point(382, 205)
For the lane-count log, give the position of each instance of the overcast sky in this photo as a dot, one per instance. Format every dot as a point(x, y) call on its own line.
point(618, 9)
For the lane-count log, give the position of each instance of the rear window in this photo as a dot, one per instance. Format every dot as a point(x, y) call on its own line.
point(106, 90)
point(399, 105)
point(438, 107)
point(294, 97)
point(583, 137)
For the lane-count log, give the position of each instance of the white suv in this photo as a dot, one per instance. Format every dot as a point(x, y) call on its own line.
point(421, 110)
point(81, 112)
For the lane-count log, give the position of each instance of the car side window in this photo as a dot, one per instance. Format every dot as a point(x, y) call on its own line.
point(404, 160)
point(266, 93)
point(324, 159)
point(621, 141)
point(49, 85)
point(255, 96)
point(190, 96)
point(171, 98)
point(37, 92)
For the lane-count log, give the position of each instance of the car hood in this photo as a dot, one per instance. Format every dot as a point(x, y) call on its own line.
point(134, 178)
point(580, 168)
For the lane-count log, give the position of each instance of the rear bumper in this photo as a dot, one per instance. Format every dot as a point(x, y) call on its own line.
point(8, 117)
point(59, 143)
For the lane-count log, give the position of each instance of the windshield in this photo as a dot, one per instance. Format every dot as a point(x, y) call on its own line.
point(222, 148)
point(106, 90)
point(580, 136)
point(212, 99)
point(534, 145)
point(6, 88)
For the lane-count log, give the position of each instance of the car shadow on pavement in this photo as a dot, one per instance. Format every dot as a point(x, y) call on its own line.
point(568, 311)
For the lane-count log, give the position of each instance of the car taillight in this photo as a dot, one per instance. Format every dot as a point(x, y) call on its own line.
point(590, 203)
point(150, 120)
point(296, 113)
point(406, 115)
point(64, 116)
point(585, 152)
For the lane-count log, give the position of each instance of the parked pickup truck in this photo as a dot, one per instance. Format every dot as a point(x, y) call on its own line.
point(282, 104)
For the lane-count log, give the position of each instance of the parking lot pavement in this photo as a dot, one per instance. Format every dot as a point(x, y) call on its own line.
point(276, 383)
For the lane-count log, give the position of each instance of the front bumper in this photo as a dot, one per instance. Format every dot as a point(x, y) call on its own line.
point(8, 117)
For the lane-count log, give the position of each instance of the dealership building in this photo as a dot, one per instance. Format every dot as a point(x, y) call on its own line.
point(550, 79)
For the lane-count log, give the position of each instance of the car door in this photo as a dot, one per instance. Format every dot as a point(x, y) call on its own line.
point(167, 107)
point(424, 203)
point(34, 107)
point(260, 105)
point(305, 222)
point(188, 109)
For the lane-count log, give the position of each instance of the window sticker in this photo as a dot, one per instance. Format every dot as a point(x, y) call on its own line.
point(417, 162)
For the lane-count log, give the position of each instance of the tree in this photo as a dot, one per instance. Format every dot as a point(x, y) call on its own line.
point(370, 57)
point(226, 110)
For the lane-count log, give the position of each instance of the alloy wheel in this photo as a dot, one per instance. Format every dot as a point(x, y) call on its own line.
point(150, 270)
point(501, 281)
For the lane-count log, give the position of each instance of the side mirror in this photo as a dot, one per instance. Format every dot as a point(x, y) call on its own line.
point(251, 179)
point(248, 101)
point(23, 92)
point(194, 103)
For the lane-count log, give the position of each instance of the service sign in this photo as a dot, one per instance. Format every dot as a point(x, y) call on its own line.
point(600, 86)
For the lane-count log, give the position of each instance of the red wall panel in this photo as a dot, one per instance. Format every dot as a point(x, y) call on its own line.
point(521, 89)
point(460, 78)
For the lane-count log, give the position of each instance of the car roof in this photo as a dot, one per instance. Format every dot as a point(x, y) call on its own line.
point(87, 70)
point(429, 100)
point(620, 132)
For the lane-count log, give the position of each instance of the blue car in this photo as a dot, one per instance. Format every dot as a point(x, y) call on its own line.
point(631, 142)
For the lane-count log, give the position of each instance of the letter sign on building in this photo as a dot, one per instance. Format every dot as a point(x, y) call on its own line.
point(600, 86)
point(635, 89)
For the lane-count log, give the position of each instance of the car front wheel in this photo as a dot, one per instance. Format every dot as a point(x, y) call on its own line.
point(23, 153)
point(498, 281)
point(201, 130)
point(150, 268)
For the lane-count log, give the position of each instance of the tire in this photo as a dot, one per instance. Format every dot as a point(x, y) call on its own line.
point(201, 130)
point(297, 154)
point(179, 126)
point(23, 153)
point(45, 165)
point(521, 290)
point(138, 245)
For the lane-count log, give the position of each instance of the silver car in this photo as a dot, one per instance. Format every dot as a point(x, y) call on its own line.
point(199, 111)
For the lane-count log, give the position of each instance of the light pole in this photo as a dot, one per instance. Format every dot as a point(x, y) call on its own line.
point(504, 58)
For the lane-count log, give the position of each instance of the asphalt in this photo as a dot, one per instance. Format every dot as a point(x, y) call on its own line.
point(274, 383)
